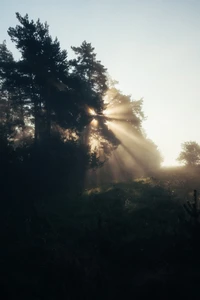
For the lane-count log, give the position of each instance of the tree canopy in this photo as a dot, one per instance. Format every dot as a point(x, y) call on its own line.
point(190, 154)
point(56, 111)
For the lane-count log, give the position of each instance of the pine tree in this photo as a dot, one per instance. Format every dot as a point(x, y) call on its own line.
point(92, 72)
point(44, 67)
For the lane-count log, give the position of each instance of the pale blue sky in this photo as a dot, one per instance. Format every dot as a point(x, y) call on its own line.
point(152, 47)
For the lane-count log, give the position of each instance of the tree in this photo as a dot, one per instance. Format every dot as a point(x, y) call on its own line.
point(64, 106)
point(50, 96)
point(92, 72)
point(190, 154)
point(43, 68)
point(94, 78)
point(123, 108)
point(131, 153)
point(59, 91)
point(14, 101)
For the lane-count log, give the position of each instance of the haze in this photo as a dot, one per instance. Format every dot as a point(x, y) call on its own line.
point(151, 47)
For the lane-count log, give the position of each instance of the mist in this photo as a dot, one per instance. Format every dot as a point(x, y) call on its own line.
point(88, 211)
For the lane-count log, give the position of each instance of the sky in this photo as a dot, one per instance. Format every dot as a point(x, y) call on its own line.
point(152, 47)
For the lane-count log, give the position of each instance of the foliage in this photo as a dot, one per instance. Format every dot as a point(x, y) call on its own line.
point(55, 238)
point(121, 238)
point(125, 108)
point(44, 94)
point(190, 154)
point(90, 70)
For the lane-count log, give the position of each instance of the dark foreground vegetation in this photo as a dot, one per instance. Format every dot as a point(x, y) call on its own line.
point(59, 241)
point(129, 240)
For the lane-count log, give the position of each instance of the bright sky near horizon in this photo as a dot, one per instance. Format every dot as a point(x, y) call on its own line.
point(152, 47)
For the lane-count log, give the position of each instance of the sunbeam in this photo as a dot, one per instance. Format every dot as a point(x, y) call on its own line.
point(94, 122)
point(115, 111)
point(132, 153)
point(91, 112)
point(119, 131)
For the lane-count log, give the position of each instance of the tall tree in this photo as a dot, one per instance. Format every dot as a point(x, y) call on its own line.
point(92, 72)
point(94, 80)
point(44, 66)
point(11, 113)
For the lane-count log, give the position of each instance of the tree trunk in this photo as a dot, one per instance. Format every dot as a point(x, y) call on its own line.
point(48, 114)
point(36, 122)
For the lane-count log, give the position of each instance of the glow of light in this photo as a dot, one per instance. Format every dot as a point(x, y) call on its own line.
point(106, 112)
point(117, 129)
point(92, 112)
point(123, 134)
point(94, 143)
point(94, 123)
point(117, 112)
point(107, 123)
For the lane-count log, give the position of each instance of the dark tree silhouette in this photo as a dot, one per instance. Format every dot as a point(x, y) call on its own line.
point(43, 65)
point(54, 116)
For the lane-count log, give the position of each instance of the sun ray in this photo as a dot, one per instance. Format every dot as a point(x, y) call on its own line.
point(91, 112)
point(124, 133)
point(132, 154)
point(116, 110)
point(94, 122)
point(120, 131)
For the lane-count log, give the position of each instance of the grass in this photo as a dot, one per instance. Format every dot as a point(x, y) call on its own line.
point(110, 242)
